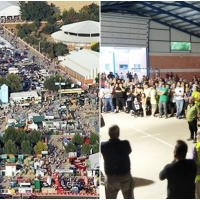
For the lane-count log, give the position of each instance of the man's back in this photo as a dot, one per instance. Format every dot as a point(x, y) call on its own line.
point(116, 156)
point(181, 179)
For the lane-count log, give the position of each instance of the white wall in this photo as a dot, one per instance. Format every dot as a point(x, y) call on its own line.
point(119, 30)
point(161, 36)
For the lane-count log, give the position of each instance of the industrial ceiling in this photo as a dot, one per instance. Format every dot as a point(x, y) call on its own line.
point(181, 15)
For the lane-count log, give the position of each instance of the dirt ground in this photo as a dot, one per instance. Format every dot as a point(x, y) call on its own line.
point(77, 5)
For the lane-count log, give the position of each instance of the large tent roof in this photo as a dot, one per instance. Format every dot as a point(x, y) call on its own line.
point(84, 27)
point(180, 15)
point(6, 4)
point(82, 61)
point(63, 37)
point(9, 8)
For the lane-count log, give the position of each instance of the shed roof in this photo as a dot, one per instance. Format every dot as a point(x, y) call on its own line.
point(38, 119)
point(82, 61)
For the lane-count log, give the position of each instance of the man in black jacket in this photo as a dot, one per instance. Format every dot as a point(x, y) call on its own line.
point(180, 174)
point(117, 165)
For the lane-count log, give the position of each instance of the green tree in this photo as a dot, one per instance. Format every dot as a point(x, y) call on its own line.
point(94, 12)
point(95, 47)
point(60, 49)
point(34, 137)
point(70, 147)
point(78, 139)
point(85, 149)
point(20, 136)
point(69, 16)
point(35, 10)
point(39, 147)
point(14, 82)
point(94, 139)
point(10, 134)
point(10, 147)
point(83, 14)
point(89, 12)
point(50, 82)
point(57, 16)
point(95, 148)
point(51, 20)
point(26, 147)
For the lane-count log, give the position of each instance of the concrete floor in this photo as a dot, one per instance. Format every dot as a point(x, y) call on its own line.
point(152, 141)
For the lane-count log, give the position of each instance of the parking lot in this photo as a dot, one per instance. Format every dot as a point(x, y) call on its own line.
point(72, 113)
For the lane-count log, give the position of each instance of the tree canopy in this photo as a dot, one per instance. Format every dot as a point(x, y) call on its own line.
point(20, 140)
point(70, 147)
point(39, 147)
point(13, 81)
point(10, 147)
point(95, 47)
point(26, 147)
point(50, 82)
point(35, 10)
point(34, 137)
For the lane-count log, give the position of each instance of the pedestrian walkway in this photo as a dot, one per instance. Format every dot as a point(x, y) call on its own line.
point(152, 141)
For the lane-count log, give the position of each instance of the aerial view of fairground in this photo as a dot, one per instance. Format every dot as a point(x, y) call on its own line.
point(49, 116)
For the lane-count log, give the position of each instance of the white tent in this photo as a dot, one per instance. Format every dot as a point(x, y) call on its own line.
point(80, 33)
point(85, 27)
point(9, 9)
point(60, 36)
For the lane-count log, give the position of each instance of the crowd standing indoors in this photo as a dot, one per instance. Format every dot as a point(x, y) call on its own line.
point(161, 97)
point(157, 96)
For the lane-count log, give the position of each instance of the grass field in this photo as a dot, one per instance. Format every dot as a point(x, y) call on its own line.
point(77, 5)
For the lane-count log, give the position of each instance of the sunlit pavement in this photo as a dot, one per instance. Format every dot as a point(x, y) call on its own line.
point(152, 141)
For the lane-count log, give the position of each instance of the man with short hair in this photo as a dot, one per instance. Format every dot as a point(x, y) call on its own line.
point(117, 165)
point(180, 174)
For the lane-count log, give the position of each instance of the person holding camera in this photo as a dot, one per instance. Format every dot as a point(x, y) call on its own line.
point(179, 92)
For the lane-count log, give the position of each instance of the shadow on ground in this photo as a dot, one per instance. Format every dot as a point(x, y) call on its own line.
point(142, 182)
point(138, 181)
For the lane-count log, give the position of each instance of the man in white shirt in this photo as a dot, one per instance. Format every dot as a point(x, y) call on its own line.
point(179, 92)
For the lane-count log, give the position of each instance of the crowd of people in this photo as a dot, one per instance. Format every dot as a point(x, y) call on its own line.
point(166, 96)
